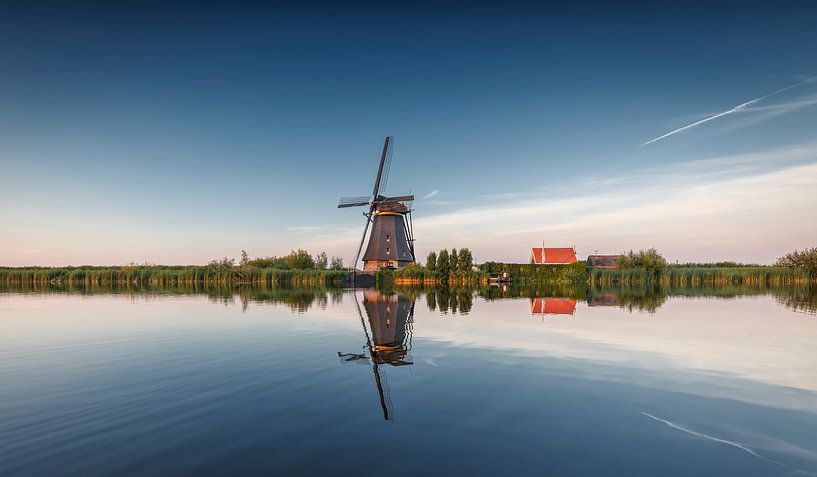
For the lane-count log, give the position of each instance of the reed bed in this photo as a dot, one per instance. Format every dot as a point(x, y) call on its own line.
point(169, 276)
point(700, 276)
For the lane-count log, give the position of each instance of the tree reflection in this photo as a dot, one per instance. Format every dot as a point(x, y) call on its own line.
point(798, 298)
point(442, 299)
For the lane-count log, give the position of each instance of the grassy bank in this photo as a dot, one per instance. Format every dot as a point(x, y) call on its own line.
point(522, 274)
point(168, 275)
point(578, 273)
point(699, 276)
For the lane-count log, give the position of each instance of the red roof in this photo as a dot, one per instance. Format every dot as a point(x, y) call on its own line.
point(553, 255)
point(552, 306)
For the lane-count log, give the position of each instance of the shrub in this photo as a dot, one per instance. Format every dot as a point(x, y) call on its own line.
point(649, 260)
point(805, 260)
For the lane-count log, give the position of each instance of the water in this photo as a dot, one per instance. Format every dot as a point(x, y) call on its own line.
point(490, 382)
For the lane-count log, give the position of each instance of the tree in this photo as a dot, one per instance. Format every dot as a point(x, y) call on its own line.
point(465, 260)
point(222, 265)
point(299, 260)
point(649, 260)
point(453, 261)
point(805, 260)
point(269, 262)
point(245, 258)
point(321, 261)
point(337, 263)
point(431, 261)
point(442, 264)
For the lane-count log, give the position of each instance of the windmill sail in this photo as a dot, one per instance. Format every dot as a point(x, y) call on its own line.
point(385, 166)
point(354, 201)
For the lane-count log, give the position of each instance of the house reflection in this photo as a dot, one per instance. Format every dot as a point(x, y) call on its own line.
point(388, 330)
point(552, 306)
point(603, 299)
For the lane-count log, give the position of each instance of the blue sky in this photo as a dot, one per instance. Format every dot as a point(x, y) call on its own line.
point(177, 135)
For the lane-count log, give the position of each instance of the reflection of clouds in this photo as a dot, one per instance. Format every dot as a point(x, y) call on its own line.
point(694, 343)
point(748, 349)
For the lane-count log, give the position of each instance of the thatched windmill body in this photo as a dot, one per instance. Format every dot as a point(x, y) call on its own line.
point(391, 243)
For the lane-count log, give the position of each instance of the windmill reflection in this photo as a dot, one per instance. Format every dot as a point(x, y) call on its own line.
point(388, 333)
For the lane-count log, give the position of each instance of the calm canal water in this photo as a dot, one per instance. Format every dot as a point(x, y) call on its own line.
point(491, 382)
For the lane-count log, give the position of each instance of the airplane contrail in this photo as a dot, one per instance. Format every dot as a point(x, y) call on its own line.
point(736, 109)
point(737, 445)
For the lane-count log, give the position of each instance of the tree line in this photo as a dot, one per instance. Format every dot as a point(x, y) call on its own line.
point(445, 263)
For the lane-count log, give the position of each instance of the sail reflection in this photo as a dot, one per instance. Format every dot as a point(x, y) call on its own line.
point(387, 327)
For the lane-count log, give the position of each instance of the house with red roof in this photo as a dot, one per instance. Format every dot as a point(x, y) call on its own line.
point(552, 255)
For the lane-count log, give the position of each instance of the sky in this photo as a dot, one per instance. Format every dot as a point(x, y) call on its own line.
point(180, 134)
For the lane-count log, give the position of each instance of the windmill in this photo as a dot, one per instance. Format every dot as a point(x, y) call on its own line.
point(391, 243)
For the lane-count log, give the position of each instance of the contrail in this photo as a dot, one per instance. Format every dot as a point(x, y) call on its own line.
point(715, 439)
point(736, 109)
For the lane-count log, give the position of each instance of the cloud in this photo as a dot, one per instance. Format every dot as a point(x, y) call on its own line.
point(729, 207)
point(304, 228)
point(736, 109)
point(430, 195)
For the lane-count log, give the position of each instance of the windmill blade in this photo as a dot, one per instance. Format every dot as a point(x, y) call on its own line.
point(384, 178)
point(383, 392)
point(353, 201)
point(362, 239)
point(385, 166)
point(400, 198)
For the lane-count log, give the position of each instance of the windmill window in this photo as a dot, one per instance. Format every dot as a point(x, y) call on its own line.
point(388, 238)
point(387, 250)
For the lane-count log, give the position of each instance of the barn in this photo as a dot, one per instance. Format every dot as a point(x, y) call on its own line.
point(603, 261)
point(553, 255)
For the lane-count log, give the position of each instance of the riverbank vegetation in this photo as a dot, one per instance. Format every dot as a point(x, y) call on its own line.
point(804, 261)
point(447, 267)
point(648, 267)
point(297, 268)
point(642, 268)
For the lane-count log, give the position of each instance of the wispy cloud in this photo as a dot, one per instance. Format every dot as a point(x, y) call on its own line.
point(736, 109)
point(693, 210)
point(429, 199)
